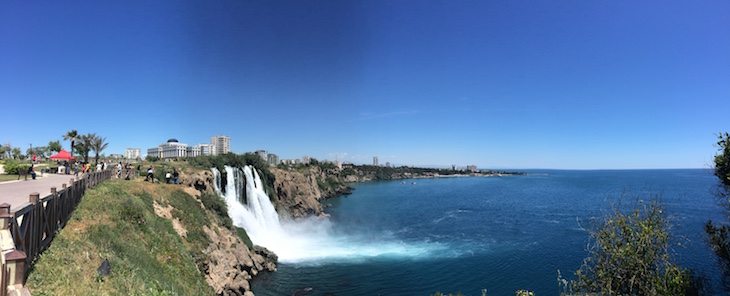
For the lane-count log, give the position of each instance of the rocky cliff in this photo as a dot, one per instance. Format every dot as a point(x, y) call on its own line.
point(232, 264)
point(299, 192)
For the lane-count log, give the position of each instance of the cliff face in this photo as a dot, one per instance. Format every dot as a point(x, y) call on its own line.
point(298, 192)
point(232, 264)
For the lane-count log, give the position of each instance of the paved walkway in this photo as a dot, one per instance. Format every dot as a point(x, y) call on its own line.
point(16, 193)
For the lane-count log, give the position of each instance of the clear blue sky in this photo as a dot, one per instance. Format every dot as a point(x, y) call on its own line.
point(499, 84)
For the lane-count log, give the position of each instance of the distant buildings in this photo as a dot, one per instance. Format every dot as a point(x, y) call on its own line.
point(305, 159)
point(174, 149)
point(375, 160)
point(272, 159)
point(201, 149)
point(263, 154)
point(387, 164)
point(472, 168)
point(132, 153)
point(222, 144)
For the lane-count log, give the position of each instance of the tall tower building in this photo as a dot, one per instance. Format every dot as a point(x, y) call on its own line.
point(222, 144)
point(375, 160)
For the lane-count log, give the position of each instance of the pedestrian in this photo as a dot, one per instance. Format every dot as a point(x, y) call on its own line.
point(76, 169)
point(150, 175)
point(31, 171)
point(175, 175)
point(167, 178)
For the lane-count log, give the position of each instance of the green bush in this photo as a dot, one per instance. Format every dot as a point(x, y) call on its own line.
point(216, 204)
point(12, 168)
point(631, 256)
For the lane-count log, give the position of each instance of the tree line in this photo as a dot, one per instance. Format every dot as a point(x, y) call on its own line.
point(81, 146)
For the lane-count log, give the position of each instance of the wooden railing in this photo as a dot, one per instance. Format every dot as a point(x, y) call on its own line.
point(32, 228)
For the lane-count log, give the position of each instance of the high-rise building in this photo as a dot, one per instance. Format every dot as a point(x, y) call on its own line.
point(273, 159)
point(472, 168)
point(132, 153)
point(222, 144)
point(263, 154)
point(375, 160)
point(387, 164)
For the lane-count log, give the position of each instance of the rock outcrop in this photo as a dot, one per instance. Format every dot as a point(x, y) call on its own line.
point(298, 192)
point(202, 180)
point(232, 264)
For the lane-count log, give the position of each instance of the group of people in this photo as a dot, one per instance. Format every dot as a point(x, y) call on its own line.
point(169, 177)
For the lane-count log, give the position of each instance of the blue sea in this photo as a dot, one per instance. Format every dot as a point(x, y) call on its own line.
point(465, 234)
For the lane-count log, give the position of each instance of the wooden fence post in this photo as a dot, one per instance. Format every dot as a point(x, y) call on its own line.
point(34, 228)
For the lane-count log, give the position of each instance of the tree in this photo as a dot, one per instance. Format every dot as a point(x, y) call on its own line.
point(71, 135)
point(85, 143)
point(55, 146)
point(5, 150)
point(630, 255)
point(98, 144)
point(719, 235)
point(16, 153)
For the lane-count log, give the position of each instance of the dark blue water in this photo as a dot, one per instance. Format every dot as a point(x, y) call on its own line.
point(498, 233)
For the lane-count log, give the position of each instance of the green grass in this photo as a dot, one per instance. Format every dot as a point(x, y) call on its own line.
point(116, 220)
point(6, 177)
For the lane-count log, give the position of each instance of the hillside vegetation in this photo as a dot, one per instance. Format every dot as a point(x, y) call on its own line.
point(159, 239)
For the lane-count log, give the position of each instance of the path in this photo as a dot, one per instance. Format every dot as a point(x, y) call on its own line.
point(16, 193)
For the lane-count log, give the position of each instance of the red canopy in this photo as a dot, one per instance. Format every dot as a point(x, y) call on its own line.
point(63, 155)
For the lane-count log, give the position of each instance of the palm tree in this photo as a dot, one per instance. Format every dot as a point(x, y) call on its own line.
point(73, 136)
point(98, 144)
point(85, 142)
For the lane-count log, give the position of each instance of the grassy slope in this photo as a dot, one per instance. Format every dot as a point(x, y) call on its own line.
point(117, 221)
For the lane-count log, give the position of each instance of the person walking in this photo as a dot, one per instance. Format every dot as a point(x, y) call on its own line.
point(76, 169)
point(175, 175)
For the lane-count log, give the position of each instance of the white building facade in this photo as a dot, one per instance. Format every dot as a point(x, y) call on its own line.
point(132, 153)
point(173, 149)
point(222, 144)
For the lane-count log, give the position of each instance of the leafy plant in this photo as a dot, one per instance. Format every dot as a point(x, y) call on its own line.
point(217, 205)
point(630, 255)
point(11, 168)
point(719, 235)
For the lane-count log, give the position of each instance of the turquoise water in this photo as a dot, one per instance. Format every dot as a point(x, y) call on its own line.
point(498, 233)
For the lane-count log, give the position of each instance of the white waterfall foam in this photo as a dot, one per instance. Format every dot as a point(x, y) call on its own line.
point(308, 241)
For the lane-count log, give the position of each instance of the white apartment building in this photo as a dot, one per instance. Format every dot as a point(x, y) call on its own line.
point(132, 153)
point(263, 154)
point(222, 144)
point(200, 149)
point(154, 152)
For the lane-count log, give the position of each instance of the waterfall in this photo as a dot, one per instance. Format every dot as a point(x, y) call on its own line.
point(306, 241)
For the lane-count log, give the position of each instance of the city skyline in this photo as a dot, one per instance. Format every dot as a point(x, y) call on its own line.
point(557, 85)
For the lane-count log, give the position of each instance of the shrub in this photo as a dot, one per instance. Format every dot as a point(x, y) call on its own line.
point(630, 256)
point(12, 168)
point(216, 204)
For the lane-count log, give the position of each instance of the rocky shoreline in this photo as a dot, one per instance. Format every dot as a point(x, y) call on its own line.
point(298, 193)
